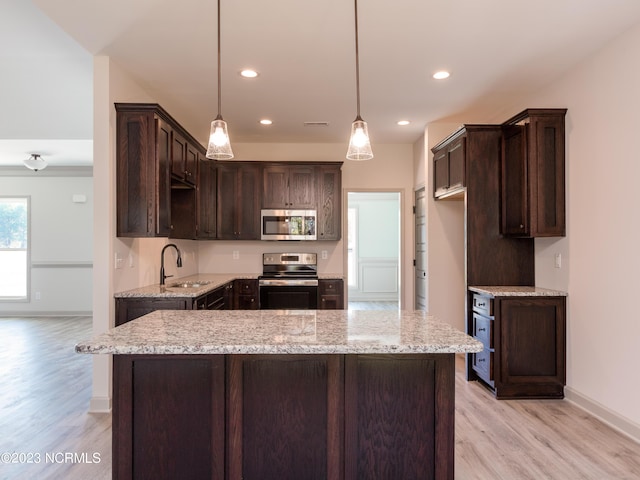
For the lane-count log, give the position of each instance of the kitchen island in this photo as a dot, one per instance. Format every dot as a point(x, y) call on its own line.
point(300, 394)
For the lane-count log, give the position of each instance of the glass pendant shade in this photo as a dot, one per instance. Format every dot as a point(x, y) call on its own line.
point(359, 144)
point(219, 144)
point(35, 162)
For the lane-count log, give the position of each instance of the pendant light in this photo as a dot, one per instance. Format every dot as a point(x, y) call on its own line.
point(219, 144)
point(359, 144)
point(35, 162)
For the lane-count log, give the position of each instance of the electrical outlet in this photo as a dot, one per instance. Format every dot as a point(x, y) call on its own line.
point(324, 255)
point(38, 296)
point(131, 262)
point(236, 254)
point(558, 260)
point(118, 260)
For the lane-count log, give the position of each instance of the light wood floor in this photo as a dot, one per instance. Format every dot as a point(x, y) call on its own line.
point(45, 389)
point(373, 306)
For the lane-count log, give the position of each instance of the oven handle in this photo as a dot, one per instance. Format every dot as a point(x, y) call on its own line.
point(271, 282)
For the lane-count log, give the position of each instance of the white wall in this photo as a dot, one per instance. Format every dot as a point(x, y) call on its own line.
point(445, 242)
point(61, 244)
point(600, 260)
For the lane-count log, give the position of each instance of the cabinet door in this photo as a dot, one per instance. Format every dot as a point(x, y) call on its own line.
point(457, 157)
point(246, 294)
point(546, 175)
point(250, 193)
point(532, 347)
point(275, 194)
point(302, 187)
point(227, 202)
point(284, 416)
point(142, 196)
point(330, 294)
point(440, 172)
point(514, 180)
point(178, 155)
point(239, 197)
point(206, 200)
point(191, 164)
point(329, 202)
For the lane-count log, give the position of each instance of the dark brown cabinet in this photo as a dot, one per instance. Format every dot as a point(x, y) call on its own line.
point(329, 196)
point(214, 300)
point(184, 159)
point(449, 158)
point(238, 201)
point(284, 416)
point(206, 200)
point(524, 345)
point(143, 188)
point(330, 294)
point(289, 187)
point(533, 174)
point(156, 173)
point(128, 309)
point(245, 294)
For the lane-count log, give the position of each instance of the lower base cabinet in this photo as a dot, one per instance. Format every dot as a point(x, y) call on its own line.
point(331, 294)
point(258, 417)
point(524, 339)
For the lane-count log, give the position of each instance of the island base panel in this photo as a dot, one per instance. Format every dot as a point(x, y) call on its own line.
point(283, 416)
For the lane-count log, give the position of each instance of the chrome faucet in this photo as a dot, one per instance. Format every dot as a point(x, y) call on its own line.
point(178, 263)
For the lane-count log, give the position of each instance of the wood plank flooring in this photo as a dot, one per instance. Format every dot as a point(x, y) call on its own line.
point(45, 389)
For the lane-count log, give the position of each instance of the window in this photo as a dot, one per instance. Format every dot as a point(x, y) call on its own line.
point(14, 243)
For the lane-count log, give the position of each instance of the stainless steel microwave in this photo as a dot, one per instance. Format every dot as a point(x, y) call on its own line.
point(288, 224)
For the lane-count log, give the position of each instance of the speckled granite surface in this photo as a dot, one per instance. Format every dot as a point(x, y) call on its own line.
point(509, 291)
point(282, 332)
point(212, 281)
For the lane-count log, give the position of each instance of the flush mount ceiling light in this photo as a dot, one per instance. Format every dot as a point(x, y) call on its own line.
point(403, 122)
point(248, 73)
point(35, 162)
point(266, 121)
point(441, 75)
point(359, 144)
point(219, 144)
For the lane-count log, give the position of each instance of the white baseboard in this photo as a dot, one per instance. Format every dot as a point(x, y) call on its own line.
point(608, 416)
point(100, 405)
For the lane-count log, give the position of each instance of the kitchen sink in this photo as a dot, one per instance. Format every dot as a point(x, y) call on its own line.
point(189, 284)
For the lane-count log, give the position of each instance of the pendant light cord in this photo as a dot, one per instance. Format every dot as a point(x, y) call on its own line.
point(355, 3)
point(219, 71)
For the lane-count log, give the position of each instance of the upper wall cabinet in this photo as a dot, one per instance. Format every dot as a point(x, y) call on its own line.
point(143, 181)
point(154, 155)
point(449, 166)
point(238, 200)
point(329, 201)
point(289, 186)
point(533, 174)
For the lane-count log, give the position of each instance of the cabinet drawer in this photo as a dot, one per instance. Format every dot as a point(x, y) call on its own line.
point(483, 329)
point(483, 365)
point(483, 304)
point(246, 286)
point(330, 287)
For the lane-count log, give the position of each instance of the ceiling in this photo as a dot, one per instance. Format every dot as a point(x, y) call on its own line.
point(497, 51)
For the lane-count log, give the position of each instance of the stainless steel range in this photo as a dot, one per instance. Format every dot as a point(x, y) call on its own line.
point(289, 281)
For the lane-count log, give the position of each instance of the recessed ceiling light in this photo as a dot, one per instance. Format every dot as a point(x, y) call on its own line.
point(247, 73)
point(441, 75)
point(403, 122)
point(266, 121)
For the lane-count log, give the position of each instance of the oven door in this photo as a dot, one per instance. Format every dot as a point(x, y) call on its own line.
point(303, 296)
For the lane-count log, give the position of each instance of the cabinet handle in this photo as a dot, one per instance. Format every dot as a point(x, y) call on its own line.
point(480, 304)
point(483, 329)
point(482, 360)
point(521, 226)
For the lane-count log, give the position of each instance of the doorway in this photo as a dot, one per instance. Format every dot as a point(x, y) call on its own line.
point(373, 250)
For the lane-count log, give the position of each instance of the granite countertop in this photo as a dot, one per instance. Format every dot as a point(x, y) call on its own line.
point(209, 282)
point(281, 332)
point(513, 291)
